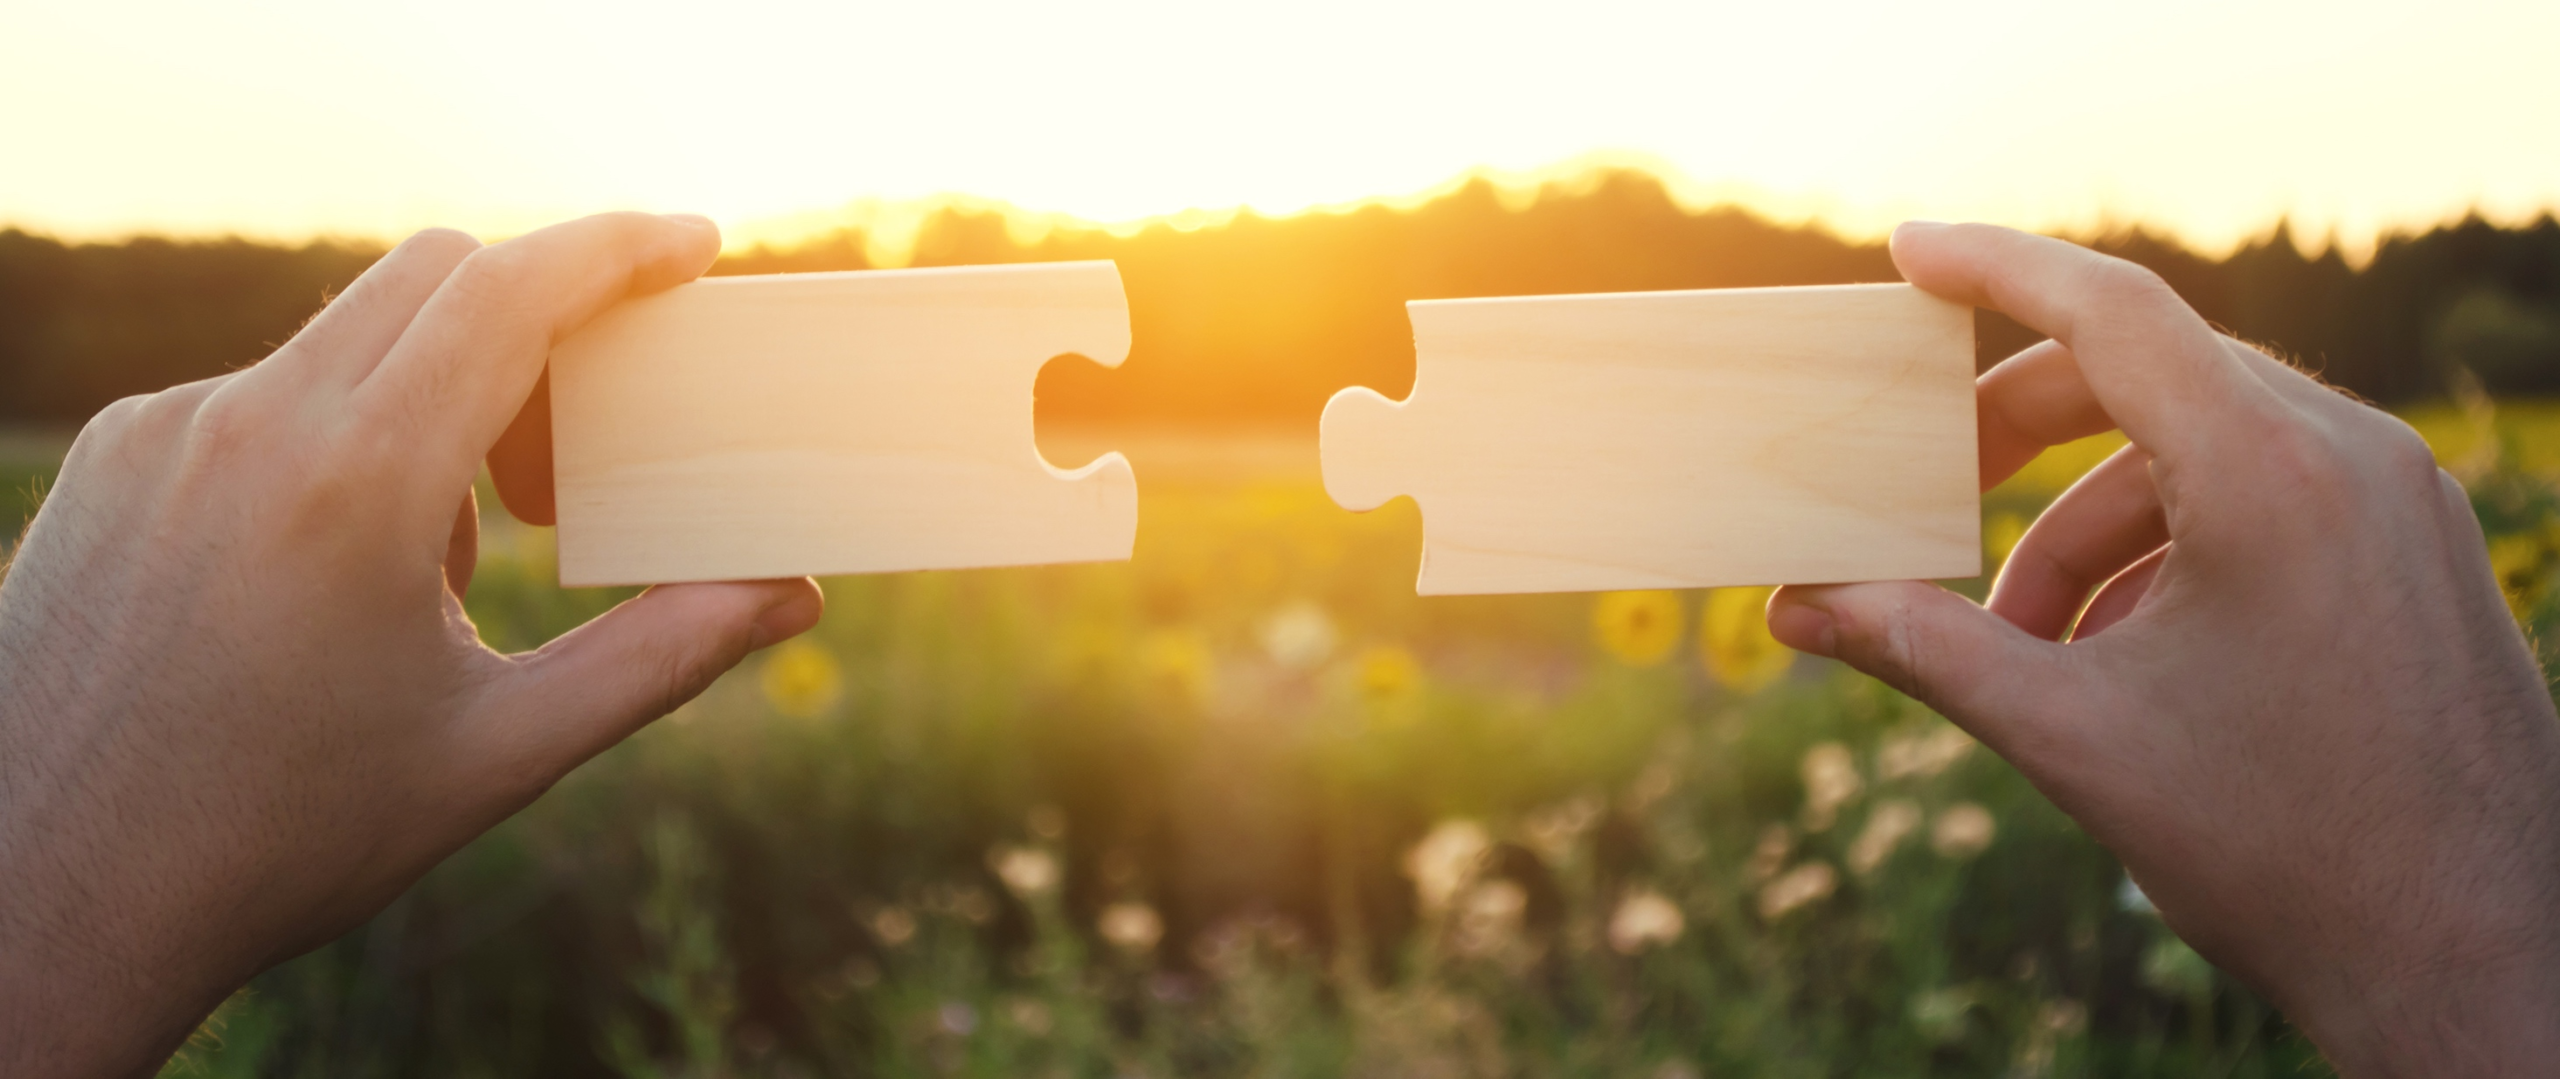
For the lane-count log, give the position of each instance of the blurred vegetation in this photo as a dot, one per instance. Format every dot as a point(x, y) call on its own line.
point(1246, 806)
point(1260, 319)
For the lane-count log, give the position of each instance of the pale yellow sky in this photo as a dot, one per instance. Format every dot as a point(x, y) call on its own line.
point(289, 118)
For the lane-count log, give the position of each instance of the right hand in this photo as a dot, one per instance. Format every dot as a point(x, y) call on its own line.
point(2309, 728)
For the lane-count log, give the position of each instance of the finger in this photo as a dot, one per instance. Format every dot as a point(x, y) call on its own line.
point(520, 464)
point(1970, 665)
point(2158, 369)
point(2122, 596)
point(2105, 522)
point(342, 344)
point(460, 375)
point(2029, 402)
point(591, 688)
point(462, 550)
point(135, 439)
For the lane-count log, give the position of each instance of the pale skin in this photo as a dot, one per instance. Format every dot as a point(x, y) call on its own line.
point(2295, 705)
point(244, 709)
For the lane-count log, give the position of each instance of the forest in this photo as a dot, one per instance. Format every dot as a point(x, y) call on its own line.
point(1257, 320)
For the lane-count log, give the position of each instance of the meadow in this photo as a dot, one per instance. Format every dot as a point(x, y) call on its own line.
point(1245, 806)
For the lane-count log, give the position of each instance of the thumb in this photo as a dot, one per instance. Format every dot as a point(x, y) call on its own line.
point(591, 688)
point(1993, 679)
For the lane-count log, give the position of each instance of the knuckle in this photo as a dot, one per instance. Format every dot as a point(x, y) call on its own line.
point(493, 275)
point(2118, 282)
point(2364, 462)
point(432, 254)
point(2405, 455)
point(495, 286)
point(169, 410)
point(170, 418)
point(114, 427)
point(230, 414)
point(631, 226)
point(2335, 474)
point(228, 421)
point(2455, 495)
point(2452, 506)
point(453, 243)
point(117, 417)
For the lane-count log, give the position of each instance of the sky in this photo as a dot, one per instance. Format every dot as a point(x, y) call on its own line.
point(285, 119)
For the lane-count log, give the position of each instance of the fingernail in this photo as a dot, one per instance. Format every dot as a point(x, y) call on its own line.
point(696, 222)
point(1805, 628)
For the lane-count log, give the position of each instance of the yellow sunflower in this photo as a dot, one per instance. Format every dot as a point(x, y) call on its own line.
point(1734, 640)
point(1639, 628)
point(1387, 673)
point(801, 678)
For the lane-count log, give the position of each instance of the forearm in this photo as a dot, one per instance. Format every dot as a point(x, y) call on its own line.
point(68, 1007)
point(2484, 1020)
point(2460, 974)
point(95, 977)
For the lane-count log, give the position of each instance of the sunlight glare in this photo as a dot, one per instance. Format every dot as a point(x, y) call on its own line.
point(292, 118)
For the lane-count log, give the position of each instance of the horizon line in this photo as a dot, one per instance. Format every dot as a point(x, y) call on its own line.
point(890, 225)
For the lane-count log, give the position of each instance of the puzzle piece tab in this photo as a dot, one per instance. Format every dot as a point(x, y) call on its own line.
point(825, 423)
point(1676, 439)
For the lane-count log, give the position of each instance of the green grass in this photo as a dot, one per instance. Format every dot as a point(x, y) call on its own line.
point(29, 458)
point(1227, 754)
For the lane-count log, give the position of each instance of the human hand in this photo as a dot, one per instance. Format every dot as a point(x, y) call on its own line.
point(2296, 708)
point(243, 706)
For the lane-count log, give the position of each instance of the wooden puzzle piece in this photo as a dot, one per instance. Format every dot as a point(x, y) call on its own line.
point(824, 423)
point(1676, 439)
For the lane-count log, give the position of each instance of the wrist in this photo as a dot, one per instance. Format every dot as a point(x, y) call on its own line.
point(97, 977)
point(70, 1008)
point(2492, 1012)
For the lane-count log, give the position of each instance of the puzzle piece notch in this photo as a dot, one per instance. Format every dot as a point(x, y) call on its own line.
point(828, 423)
point(1676, 439)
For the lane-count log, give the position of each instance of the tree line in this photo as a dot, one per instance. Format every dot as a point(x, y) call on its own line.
point(1258, 319)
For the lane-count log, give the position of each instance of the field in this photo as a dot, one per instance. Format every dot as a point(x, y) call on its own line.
point(1247, 807)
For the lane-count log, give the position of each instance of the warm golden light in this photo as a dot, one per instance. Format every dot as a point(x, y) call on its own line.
point(294, 118)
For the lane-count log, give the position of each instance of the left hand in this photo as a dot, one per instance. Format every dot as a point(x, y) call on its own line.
point(243, 706)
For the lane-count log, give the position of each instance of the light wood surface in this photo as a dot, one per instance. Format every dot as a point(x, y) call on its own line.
point(825, 423)
point(1676, 439)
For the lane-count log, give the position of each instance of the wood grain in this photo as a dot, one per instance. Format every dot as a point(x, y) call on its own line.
point(863, 422)
point(1676, 439)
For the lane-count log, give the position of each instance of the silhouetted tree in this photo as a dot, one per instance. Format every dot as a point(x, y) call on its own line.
point(1259, 319)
